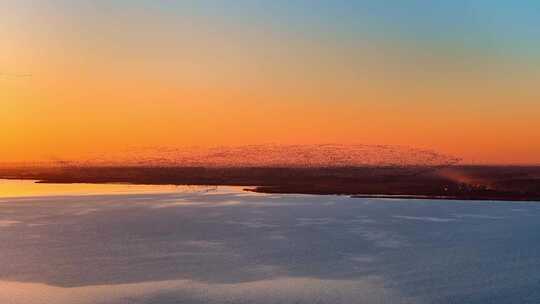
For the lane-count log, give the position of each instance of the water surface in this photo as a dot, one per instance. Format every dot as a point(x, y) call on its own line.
point(166, 244)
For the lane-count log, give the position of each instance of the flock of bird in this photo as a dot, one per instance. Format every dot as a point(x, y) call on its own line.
point(270, 155)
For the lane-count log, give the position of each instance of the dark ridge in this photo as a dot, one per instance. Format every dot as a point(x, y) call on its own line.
point(519, 183)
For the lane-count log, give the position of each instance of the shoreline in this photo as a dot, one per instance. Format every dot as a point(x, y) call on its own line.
point(493, 183)
point(262, 190)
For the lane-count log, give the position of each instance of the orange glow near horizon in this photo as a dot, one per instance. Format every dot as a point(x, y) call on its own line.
point(108, 84)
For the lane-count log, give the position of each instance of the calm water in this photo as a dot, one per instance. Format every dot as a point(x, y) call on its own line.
point(69, 244)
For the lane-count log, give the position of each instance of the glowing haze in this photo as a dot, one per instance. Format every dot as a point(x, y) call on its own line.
point(460, 77)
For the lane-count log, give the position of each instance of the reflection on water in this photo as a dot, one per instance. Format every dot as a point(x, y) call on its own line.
point(287, 290)
point(26, 188)
point(165, 244)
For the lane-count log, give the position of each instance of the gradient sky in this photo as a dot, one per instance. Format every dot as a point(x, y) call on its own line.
point(460, 77)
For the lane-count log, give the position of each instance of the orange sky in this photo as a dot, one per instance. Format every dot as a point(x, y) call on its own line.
point(107, 80)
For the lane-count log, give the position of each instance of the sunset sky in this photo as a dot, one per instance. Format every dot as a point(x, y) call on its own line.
point(461, 77)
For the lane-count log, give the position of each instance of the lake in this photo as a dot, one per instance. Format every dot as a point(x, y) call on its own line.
point(72, 243)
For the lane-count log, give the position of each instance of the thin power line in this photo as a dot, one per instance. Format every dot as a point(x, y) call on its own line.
point(15, 75)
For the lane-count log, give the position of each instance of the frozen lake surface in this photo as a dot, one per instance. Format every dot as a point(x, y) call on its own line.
point(70, 244)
